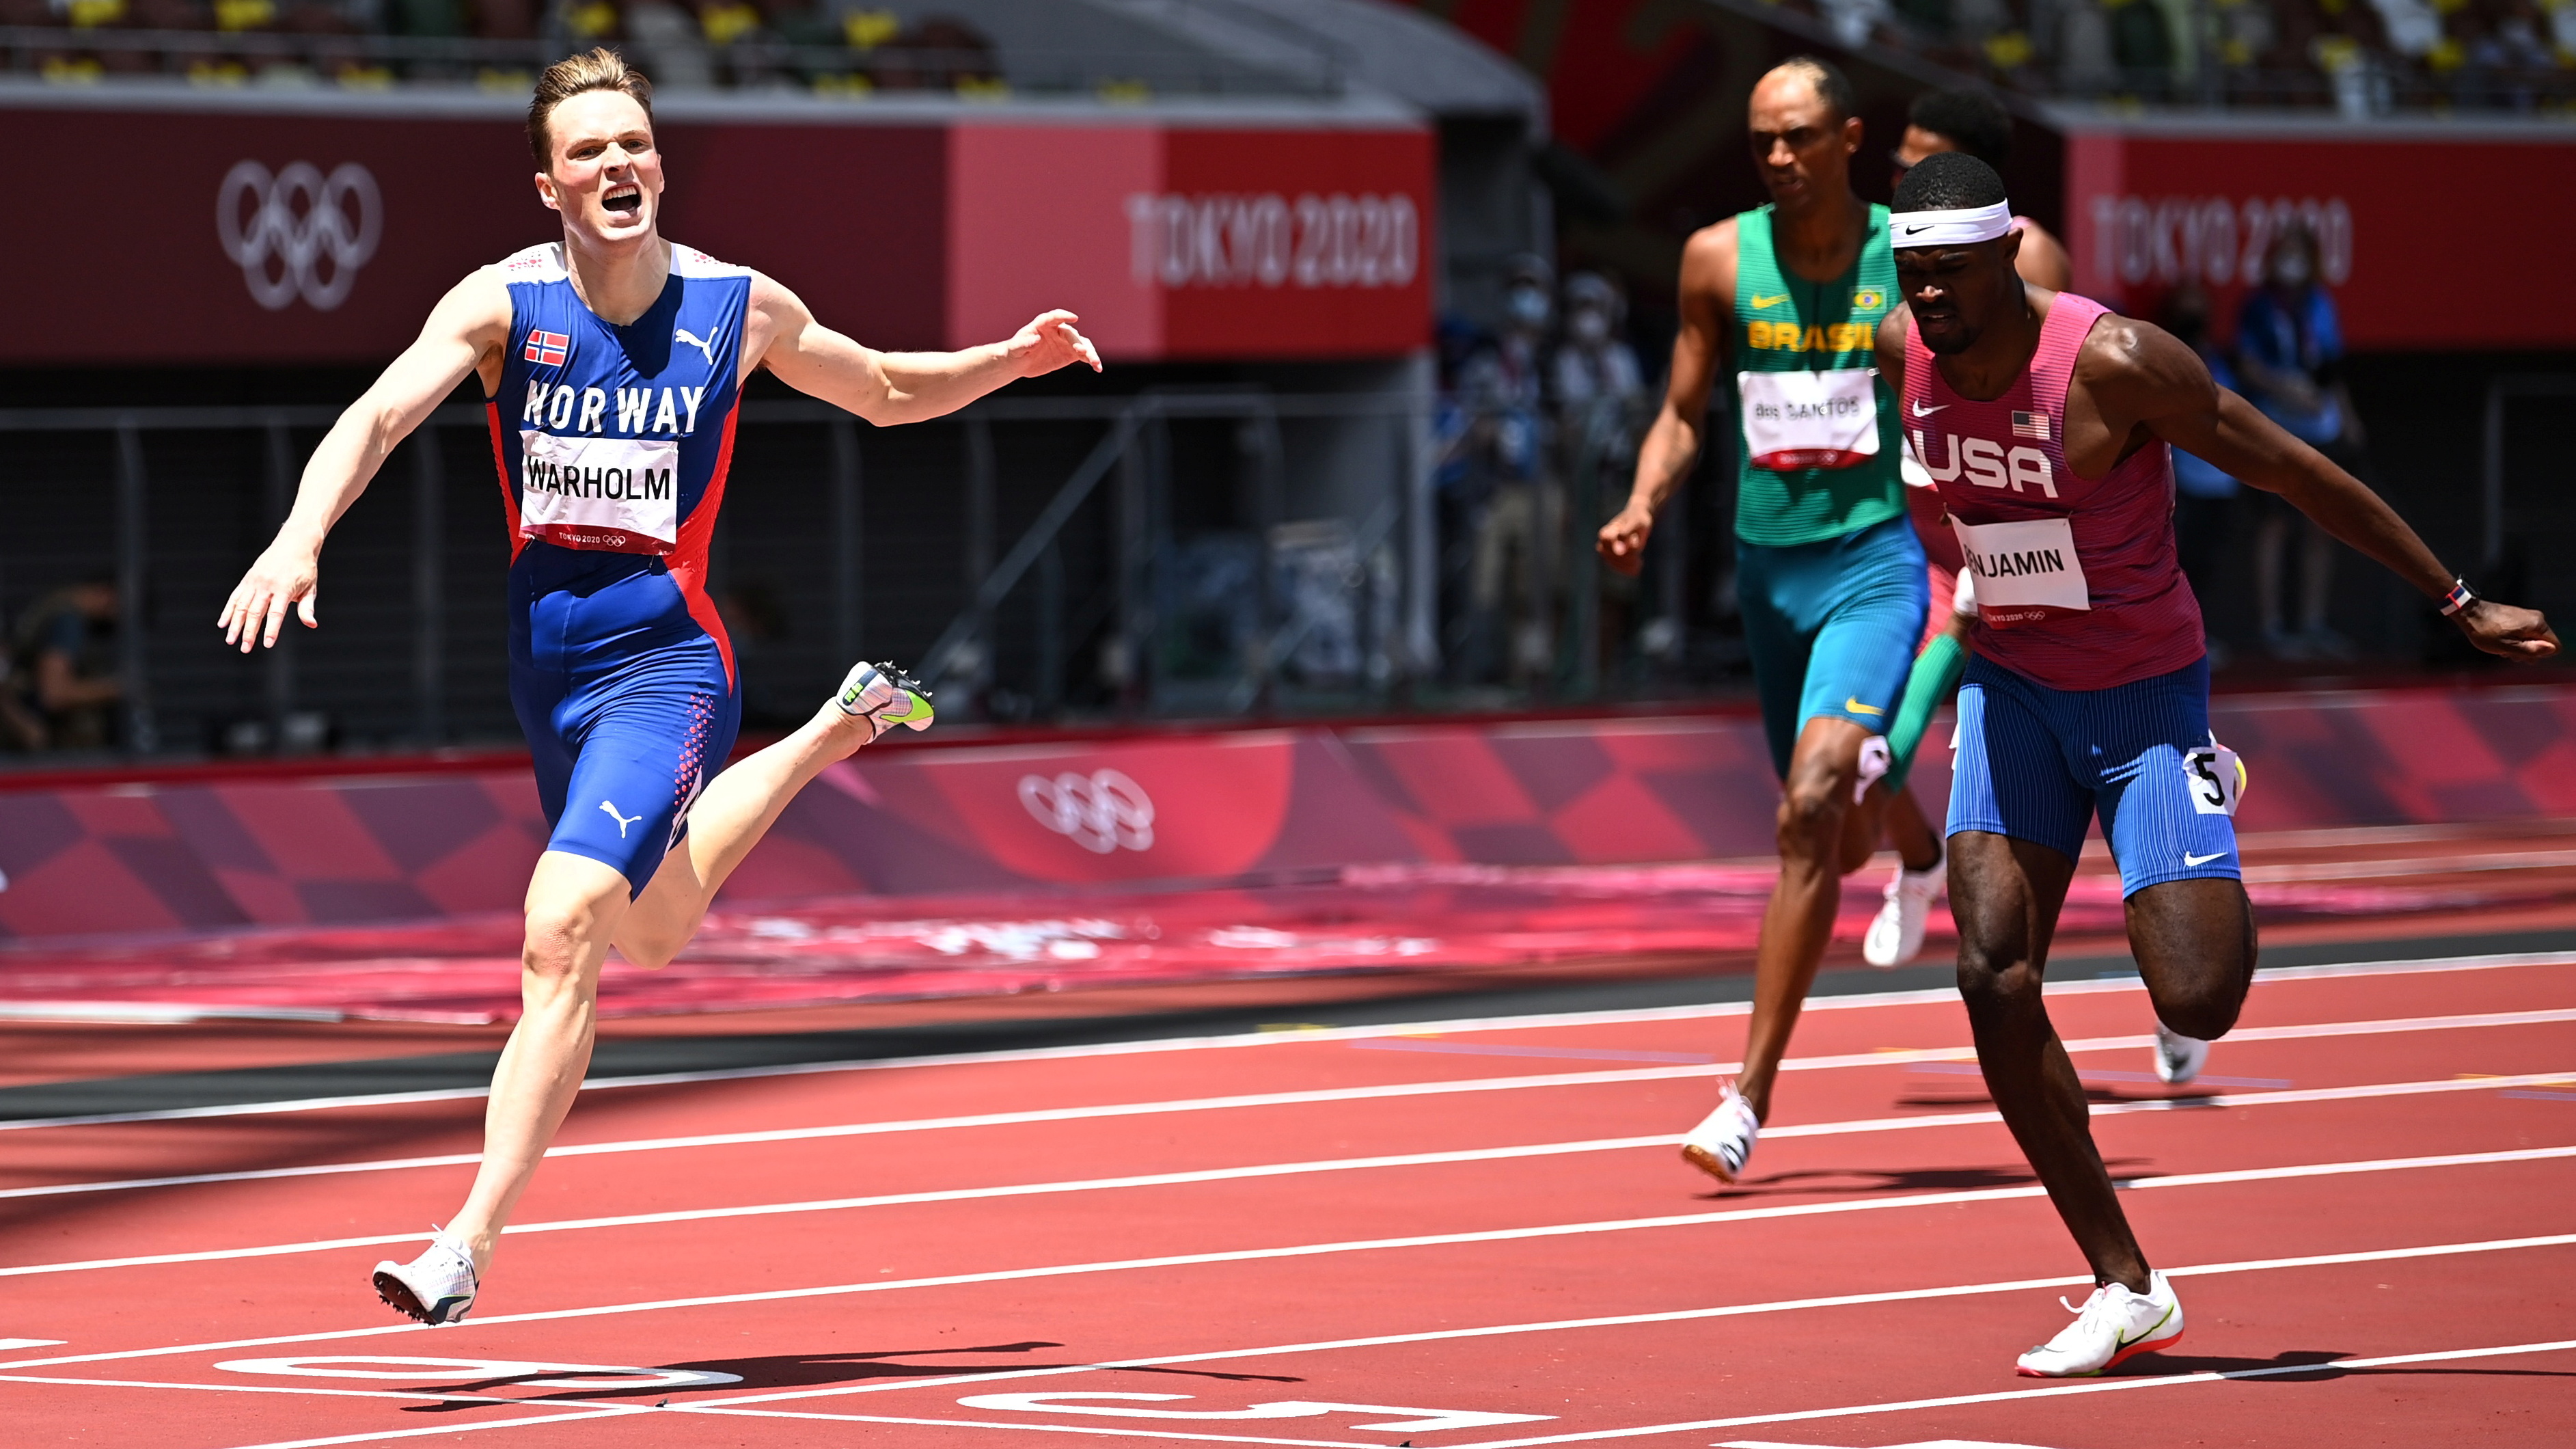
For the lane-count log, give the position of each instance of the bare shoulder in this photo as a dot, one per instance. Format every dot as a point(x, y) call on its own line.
point(1708, 264)
point(476, 309)
point(2125, 357)
point(771, 296)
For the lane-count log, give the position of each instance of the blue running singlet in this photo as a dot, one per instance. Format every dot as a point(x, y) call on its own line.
point(612, 444)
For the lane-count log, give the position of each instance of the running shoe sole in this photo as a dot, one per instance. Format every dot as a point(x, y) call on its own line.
point(1708, 1162)
point(2144, 1345)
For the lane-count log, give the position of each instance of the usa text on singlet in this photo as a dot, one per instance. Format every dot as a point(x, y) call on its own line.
point(1820, 441)
point(2078, 585)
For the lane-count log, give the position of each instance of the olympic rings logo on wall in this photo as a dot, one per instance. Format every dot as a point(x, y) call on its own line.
point(1099, 812)
point(299, 233)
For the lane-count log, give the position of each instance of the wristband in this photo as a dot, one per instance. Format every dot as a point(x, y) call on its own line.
point(2458, 598)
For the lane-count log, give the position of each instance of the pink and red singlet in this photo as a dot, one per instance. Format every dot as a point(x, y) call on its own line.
point(2078, 583)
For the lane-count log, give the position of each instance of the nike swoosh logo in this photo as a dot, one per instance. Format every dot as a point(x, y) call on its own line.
point(1916, 230)
point(2190, 859)
point(1762, 301)
point(1921, 411)
point(1855, 706)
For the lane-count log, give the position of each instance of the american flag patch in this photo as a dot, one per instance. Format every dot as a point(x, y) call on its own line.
point(549, 348)
point(2031, 425)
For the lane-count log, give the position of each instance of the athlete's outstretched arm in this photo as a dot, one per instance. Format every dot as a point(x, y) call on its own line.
point(469, 326)
point(1672, 445)
point(899, 387)
point(2164, 385)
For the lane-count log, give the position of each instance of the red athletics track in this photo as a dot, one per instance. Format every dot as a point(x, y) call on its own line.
point(1469, 1234)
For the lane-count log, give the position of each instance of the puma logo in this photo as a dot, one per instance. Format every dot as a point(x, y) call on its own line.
point(706, 345)
point(1759, 300)
point(622, 820)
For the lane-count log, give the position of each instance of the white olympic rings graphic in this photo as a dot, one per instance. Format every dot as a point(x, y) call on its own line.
point(1100, 811)
point(299, 219)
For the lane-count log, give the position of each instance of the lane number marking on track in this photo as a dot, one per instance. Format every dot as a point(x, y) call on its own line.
point(524, 1375)
point(1406, 1420)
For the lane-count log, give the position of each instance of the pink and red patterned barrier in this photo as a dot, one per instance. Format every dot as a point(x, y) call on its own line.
point(1233, 809)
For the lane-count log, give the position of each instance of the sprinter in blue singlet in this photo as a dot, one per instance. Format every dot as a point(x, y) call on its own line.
point(613, 362)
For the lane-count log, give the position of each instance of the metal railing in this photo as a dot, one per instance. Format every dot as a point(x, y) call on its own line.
point(1124, 595)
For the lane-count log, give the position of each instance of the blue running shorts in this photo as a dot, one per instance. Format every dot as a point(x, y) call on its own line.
point(623, 741)
point(1832, 627)
point(2038, 764)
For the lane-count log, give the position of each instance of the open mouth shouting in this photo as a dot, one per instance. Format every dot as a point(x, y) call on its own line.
point(625, 199)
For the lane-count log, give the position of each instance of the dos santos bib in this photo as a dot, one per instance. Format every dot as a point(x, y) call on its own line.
point(2078, 584)
point(613, 442)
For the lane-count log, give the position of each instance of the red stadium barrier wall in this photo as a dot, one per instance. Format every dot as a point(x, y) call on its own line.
point(277, 237)
point(1236, 808)
point(2147, 206)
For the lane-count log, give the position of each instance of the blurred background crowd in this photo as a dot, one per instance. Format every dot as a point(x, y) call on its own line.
point(2358, 57)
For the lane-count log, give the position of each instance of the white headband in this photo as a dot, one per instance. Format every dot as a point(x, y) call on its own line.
point(1964, 227)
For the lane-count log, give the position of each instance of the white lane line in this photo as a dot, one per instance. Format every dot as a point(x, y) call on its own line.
point(1541, 1021)
point(1657, 1141)
point(1331, 1249)
point(2297, 1031)
point(226, 1388)
point(2091, 1386)
point(1681, 1315)
point(741, 1404)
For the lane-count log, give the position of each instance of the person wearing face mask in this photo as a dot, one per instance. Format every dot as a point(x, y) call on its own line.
point(2289, 351)
point(1829, 572)
point(1511, 582)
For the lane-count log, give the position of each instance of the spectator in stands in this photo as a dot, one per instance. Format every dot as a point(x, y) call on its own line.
point(1974, 121)
point(20, 727)
point(2205, 498)
point(68, 639)
point(2289, 352)
point(1512, 580)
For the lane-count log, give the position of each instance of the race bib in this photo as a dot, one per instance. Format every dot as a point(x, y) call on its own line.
point(619, 495)
point(1795, 420)
point(2023, 570)
point(2217, 778)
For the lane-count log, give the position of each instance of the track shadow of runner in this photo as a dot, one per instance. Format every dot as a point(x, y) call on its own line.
point(2305, 1366)
point(1864, 1180)
point(808, 1371)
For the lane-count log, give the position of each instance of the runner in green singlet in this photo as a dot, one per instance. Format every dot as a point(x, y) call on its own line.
point(1828, 569)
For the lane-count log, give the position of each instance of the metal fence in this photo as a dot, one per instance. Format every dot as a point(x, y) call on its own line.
point(1164, 572)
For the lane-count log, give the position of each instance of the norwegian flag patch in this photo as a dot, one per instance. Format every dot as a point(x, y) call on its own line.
point(549, 348)
point(2031, 425)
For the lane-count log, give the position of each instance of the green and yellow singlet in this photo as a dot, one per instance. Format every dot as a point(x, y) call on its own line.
point(1819, 432)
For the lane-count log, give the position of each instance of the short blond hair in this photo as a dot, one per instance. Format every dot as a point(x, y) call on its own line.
point(600, 69)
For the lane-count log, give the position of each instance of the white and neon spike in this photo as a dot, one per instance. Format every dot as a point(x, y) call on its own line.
point(884, 696)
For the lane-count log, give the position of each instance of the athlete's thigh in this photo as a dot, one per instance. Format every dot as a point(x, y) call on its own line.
point(2010, 776)
point(1777, 642)
point(2167, 795)
point(2005, 895)
point(1871, 629)
point(650, 733)
point(537, 697)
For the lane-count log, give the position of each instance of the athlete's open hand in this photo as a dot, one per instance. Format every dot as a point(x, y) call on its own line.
point(1622, 541)
point(1050, 342)
point(284, 577)
point(2522, 634)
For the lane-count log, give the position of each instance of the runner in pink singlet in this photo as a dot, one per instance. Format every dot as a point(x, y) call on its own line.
point(2045, 420)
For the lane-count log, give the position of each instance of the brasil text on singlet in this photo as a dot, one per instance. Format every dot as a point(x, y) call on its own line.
point(1819, 431)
